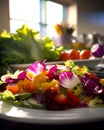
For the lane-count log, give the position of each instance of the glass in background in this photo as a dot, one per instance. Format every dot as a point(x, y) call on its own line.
point(64, 32)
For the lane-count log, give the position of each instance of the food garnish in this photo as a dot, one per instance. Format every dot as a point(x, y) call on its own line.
point(52, 87)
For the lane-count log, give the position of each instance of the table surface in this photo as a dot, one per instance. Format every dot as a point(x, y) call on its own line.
point(10, 125)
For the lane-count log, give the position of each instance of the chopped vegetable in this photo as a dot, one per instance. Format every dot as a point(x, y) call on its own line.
point(85, 54)
point(53, 87)
point(97, 50)
point(25, 46)
point(71, 54)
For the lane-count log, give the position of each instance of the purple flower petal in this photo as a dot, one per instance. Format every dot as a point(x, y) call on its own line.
point(68, 79)
point(37, 67)
point(22, 75)
point(10, 80)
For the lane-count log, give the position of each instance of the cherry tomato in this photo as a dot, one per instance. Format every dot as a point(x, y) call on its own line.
point(74, 101)
point(64, 56)
point(61, 99)
point(72, 54)
point(85, 54)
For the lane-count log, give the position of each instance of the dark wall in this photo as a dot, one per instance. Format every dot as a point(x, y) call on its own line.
point(90, 16)
point(4, 15)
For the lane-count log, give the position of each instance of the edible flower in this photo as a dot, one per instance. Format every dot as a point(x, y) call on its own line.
point(35, 69)
point(68, 79)
point(42, 82)
point(53, 87)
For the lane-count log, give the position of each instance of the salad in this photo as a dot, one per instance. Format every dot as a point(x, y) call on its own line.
point(52, 87)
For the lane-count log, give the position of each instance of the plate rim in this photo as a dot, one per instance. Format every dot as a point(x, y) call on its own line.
point(49, 117)
point(54, 62)
point(88, 62)
point(80, 115)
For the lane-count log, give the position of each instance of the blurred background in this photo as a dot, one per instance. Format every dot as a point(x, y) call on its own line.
point(64, 21)
point(87, 15)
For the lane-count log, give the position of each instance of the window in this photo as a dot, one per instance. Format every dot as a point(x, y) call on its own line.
point(41, 15)
point(37, 14)
point(24, 12)
point(53, 17)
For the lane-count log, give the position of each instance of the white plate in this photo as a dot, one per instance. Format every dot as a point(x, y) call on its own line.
point(87, 62)
point(35, 116)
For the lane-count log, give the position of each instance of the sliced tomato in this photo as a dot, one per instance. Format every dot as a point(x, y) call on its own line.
point(61, 99)
point(73, 100)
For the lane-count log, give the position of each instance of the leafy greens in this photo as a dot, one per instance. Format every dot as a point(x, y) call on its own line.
point(25, 46)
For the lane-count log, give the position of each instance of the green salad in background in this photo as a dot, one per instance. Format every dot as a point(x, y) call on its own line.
point(25, 46)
